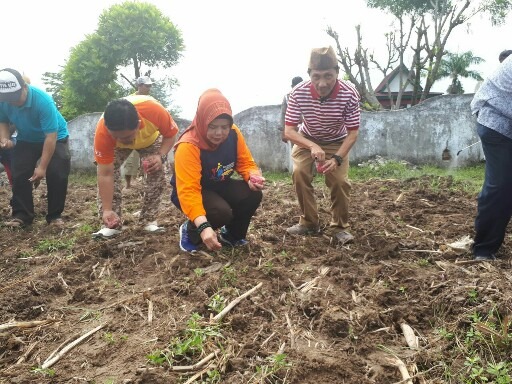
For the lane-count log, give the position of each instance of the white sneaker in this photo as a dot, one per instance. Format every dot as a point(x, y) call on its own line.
point(154, 228)
point(106, 233)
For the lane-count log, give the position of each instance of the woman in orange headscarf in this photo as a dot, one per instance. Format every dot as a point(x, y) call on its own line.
point(206, 155)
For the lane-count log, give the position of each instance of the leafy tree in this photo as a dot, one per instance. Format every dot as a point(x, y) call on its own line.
point(138, 33)
point(89, 79)
point(161, 90)
point(129, 35)
point(455, 66)
point(54, 85)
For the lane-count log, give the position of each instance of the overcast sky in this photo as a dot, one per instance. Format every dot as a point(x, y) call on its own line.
point(249, 52)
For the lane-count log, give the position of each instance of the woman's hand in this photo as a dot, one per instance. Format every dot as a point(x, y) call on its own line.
point(209, 237)
point(256, 182)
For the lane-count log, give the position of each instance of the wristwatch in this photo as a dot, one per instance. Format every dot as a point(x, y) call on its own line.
point(163, 158)
point(338, 159)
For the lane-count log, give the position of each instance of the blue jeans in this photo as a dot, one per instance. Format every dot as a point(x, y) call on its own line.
point(495, 199)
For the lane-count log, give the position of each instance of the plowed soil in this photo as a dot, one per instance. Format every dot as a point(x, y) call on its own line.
point(323, 313)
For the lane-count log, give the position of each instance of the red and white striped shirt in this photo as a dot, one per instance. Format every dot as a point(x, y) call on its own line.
point(324, 120)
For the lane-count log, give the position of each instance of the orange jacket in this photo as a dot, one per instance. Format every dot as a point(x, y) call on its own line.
point(189, 172)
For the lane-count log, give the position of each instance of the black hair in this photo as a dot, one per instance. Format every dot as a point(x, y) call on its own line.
point(121, 115)
point(225, 116)
point(504, 54)
point(296, 80)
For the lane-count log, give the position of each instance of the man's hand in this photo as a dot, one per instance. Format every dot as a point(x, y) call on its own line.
point(39, 174)
point(111, 219)
point(6, 144)
point(153, 163)
point(209, 237)
point(329, 166)
point(317, 153)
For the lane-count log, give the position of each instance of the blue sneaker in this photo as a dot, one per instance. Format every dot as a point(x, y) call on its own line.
point(185, 243)
point(226, 239)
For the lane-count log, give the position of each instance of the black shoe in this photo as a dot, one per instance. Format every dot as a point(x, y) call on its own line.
point(484, 258)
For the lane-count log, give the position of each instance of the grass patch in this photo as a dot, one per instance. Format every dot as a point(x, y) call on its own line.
point(83, 177)
point(468, 179)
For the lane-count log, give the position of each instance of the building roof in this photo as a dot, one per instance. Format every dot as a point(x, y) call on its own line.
point(381, 88)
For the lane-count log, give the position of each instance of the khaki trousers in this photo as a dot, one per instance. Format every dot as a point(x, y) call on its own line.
point(337, 182)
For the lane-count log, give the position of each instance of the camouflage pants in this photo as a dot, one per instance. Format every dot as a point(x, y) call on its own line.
point(154, 184)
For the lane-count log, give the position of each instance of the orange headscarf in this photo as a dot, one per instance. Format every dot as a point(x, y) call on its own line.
point(211, 105)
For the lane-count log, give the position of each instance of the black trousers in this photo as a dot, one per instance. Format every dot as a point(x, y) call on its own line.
point(24, 161)
point(231, 204)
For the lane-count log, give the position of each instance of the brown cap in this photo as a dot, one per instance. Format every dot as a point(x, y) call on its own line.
point(323, 58)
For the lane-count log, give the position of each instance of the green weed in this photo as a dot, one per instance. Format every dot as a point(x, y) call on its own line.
point(44, 371)
point(217, 303)
point(109, 337)
point(157, 357)
point(423, 262)
point(228, 277)
point(54, 245)
point(268, 372)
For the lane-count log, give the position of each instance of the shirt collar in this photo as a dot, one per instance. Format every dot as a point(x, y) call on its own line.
point(28, 101)
point(332, 95)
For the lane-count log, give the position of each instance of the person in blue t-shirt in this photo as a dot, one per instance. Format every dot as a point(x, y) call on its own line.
point(41, 150)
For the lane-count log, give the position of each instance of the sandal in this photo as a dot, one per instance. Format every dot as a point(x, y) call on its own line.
point(15, 223)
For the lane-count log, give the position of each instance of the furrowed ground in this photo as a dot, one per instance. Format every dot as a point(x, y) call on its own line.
point(317, 312)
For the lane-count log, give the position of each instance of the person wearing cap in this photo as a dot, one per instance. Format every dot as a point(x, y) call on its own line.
point(330, 113)
point(6, 153)
point(41, 150)
point(139, 123)
point(296, 80)
point(206, 157)
point(492, 105)
point(144, 84)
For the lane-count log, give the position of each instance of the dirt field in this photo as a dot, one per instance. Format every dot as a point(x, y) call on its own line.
point(323, 314)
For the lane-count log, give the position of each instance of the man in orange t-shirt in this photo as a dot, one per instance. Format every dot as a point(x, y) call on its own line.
point(139, 123)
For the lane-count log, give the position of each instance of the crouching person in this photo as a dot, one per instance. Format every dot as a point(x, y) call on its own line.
point(137, 123)
point(206, 155)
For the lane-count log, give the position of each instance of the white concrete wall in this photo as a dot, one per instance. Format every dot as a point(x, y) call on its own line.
point(418, 134)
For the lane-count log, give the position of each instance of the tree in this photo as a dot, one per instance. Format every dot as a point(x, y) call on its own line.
point(456, 65)
point(356, 69)
point(437, 20)
point(422, 30)
point(129, 35)
point(54, 84)
point(89, 79)
point(138, 33)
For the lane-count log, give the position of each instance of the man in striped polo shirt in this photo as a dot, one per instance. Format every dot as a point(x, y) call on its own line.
point(330, 121)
